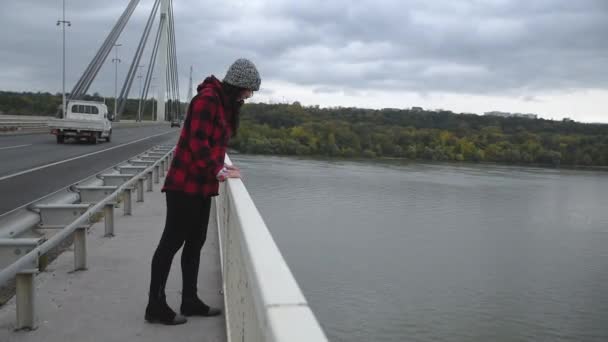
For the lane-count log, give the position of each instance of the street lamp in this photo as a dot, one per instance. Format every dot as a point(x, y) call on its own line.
point(140, 95)
point(153, 98)
point(139, 118)
point(153, 101)
point(116, 60)
point(63, 22)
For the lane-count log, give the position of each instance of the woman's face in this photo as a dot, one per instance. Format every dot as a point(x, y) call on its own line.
point(245, 94)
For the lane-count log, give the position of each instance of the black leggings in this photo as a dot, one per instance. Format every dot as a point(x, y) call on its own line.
point(186, 224)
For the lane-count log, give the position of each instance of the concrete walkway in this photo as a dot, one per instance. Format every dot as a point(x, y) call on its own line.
point(107, 302)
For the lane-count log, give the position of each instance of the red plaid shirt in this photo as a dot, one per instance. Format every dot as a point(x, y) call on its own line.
point(199, 154)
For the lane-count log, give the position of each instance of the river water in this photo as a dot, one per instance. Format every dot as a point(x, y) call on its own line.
point(440, 252)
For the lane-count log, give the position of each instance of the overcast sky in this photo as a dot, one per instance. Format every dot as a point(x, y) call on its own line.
point(548, 57)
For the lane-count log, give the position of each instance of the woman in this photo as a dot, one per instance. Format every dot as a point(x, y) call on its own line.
point(196, 170)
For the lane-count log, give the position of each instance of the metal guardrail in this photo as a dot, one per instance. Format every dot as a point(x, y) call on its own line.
point(23, 123)
point(5, 117)
point(262, 299)
point(37, 124)
point(21, 126)
point(70, 218)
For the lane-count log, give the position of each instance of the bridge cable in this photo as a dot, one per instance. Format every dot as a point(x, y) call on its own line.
point(124, 93)
point(93, 68)
point(175, 73)
point(152, 64)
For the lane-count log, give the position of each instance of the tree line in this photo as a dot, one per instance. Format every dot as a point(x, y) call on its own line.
point(47, 104)
point(292, 129)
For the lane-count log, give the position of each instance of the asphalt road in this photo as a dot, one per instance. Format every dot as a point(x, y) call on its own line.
point(32, 166)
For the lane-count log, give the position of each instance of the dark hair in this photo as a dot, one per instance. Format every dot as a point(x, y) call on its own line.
point(234, 105)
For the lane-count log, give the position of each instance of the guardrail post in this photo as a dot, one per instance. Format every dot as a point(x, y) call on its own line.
point(108, 213)
point(149, 181)
point(156, 172)
point(162, 168)
point(140, 190)
point(80, 249)
point(127, 199)
point(25, 299)
point(166, 163)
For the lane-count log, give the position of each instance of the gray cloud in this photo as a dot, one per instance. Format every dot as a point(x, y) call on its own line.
point(476, 47)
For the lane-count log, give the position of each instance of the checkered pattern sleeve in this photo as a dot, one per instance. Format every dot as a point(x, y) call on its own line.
point(206, 154)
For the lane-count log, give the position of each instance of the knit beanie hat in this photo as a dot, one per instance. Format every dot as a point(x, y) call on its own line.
point(243, 73)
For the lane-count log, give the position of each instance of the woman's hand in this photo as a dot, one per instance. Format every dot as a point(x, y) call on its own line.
point(229, 171)
point(233, 173)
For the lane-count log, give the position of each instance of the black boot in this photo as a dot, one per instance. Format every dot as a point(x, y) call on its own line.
point(158, 311)
point(192, 306)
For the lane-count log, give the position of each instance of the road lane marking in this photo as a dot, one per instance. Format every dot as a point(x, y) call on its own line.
point(80, 157)
point(17, 146)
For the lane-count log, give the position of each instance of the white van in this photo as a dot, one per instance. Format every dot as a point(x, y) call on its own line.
point(83, 120)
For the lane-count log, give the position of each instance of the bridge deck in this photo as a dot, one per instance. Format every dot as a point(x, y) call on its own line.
point(107, 302)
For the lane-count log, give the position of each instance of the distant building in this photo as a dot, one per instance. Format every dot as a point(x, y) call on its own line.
point(527, 116)
point(496, 113)
point(511, 115)
point(417, 109)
